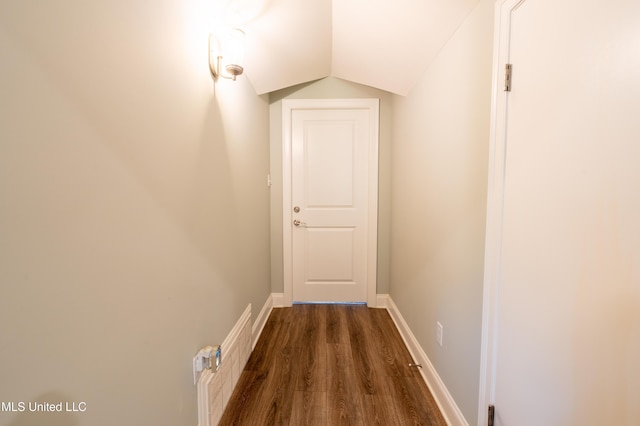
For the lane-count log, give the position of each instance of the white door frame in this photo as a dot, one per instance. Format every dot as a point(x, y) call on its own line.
point(495, 201)
point(288, 106)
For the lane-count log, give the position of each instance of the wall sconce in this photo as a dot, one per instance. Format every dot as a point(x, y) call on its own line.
point(226, 54)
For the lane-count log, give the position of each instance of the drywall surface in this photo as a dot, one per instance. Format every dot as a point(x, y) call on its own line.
point(438, 200)
point(133, 208)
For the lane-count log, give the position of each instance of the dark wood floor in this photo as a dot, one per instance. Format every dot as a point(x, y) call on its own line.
point(330, 365)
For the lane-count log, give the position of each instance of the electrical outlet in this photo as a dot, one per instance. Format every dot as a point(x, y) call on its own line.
point(202, 361)
point(439, 332)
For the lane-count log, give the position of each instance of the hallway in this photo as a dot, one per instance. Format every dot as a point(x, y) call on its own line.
point(141, 216)
point(329, 365)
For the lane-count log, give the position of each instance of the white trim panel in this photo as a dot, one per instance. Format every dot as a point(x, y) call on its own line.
point(214, 388)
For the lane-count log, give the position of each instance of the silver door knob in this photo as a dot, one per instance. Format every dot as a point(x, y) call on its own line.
point(297, 222)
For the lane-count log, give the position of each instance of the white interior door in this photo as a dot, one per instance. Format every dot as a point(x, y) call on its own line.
point(562, 314)
point(332, 207)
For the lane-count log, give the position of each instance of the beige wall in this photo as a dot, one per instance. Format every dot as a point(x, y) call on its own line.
point(323, 89)
point(438, 192)
point(134, 213)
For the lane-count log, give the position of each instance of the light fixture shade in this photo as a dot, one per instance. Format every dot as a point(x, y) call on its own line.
point(226, 53)
point(233, 48)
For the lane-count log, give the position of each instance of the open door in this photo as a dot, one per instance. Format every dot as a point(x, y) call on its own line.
point(562, 271)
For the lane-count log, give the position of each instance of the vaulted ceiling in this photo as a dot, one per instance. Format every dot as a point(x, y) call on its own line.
point(386, 44)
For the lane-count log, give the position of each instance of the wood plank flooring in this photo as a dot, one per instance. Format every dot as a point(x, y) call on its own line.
point(330, 365)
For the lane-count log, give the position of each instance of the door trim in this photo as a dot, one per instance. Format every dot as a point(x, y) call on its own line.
point(288, 106)
point(495, 201)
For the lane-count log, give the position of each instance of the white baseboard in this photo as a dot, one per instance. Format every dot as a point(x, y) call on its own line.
point(448, 407)
point(382, 301)
point(261, 320)
point(278, 300)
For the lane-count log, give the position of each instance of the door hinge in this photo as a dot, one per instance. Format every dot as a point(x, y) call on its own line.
point(507, 77)
point(492, 411)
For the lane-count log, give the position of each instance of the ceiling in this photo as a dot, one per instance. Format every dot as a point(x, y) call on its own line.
point(386, 44)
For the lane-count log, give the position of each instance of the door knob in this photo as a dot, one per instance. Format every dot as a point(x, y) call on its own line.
point(296, 209)
point(298, 223)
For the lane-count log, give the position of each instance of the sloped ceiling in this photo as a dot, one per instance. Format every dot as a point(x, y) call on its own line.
point(386, 44)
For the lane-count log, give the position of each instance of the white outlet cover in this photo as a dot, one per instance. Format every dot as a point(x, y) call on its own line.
point(439, 333)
